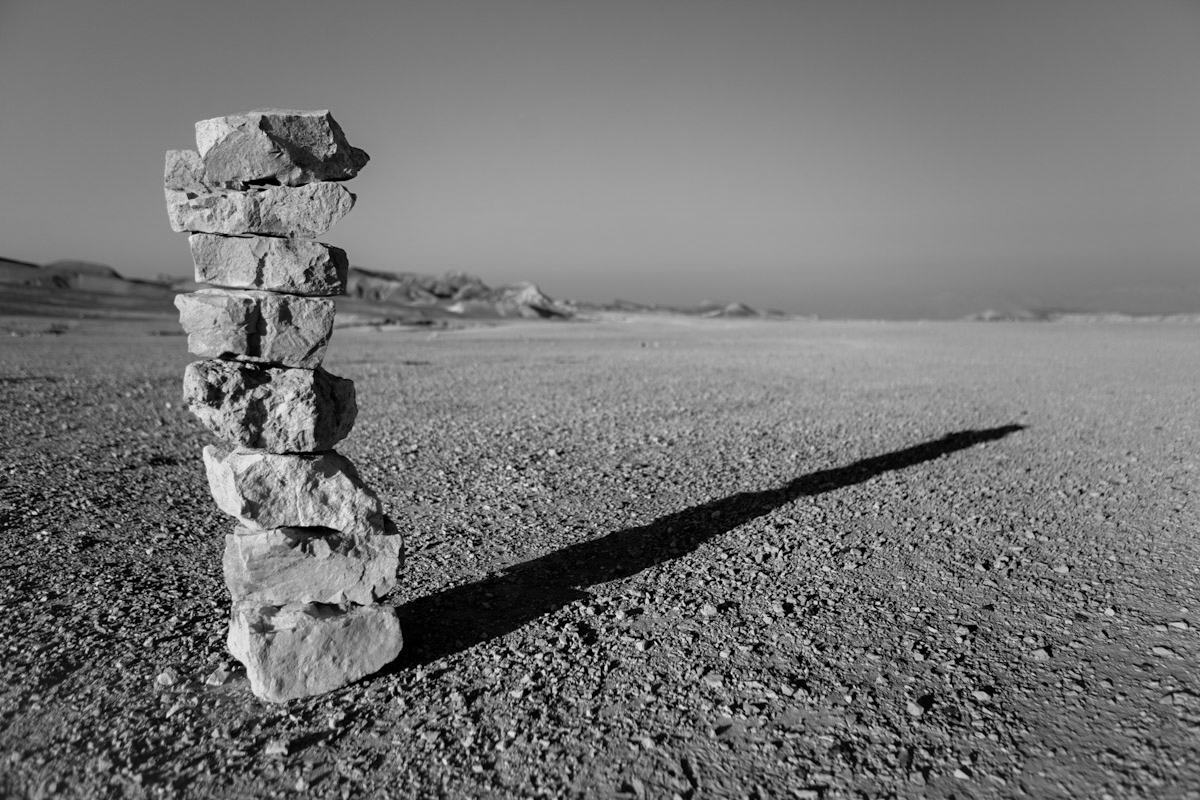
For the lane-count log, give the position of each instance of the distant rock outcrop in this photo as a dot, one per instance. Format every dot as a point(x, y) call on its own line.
point(456, 292)
point(407, 288)
point(518, 300)
point(732, 310)
point(1010, 315)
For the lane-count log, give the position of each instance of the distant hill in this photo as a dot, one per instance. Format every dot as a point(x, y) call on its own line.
point(733, 310)
point(1052, 315)
point(79, 289)
point(16, 272)
point(708, 309)
point(74, 269)
point(89, 289)
point(85, 276)
point(1009, 315)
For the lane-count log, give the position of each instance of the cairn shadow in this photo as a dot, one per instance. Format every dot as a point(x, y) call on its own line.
point(460, 617)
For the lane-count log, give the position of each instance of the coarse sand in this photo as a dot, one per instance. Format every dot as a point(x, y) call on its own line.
point(656, 558)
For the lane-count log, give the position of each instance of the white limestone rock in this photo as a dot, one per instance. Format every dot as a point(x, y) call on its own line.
point(269, 408)
point(257, 326)
point(276, 145)
point(311, 565)
point(317, 490)
point(184, 172)
point(306, 211)
point(303, 650)
point(292, 266)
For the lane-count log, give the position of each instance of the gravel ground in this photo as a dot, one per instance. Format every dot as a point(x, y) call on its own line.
point(653, 559)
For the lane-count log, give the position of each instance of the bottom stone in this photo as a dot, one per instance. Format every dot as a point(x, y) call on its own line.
point(302, 650)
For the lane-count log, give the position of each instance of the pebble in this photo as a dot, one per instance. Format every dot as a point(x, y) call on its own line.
point(1041, 654)
point(1181, 625)
point(914, 709)
point(218, 677)
point(982, 695)
point(708, 610)
point(168, 677)
point(1163, 652)
point(276, 747)
point(1062, 569)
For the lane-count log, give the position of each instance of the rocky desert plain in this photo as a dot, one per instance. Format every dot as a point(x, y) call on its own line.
point(649, 555)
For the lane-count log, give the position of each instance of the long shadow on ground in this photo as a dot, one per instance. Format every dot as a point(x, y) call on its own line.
point(458, 618)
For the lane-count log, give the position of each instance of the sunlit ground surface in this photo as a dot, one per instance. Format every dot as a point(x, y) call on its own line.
point(649, 559)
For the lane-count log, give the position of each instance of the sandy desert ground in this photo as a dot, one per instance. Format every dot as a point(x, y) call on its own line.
point(651, 559)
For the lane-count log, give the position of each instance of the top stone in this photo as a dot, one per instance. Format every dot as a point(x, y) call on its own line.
point(271, 145)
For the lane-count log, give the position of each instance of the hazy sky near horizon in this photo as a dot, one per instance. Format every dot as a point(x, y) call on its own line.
point(841, 157)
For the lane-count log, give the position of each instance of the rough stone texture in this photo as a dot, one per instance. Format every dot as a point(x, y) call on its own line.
point(294, 266)
point(273, 409)
point(257, 326)
point(290, 147)
point(184, 172)
point(307, 649)
point(314, 550)
point(311, 565)
point(318, 490)
point(306, 211)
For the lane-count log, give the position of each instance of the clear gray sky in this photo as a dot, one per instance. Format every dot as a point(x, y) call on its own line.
point(841, 157)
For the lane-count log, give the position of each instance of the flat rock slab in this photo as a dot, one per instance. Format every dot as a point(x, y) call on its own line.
point(319, 490)
point(270, 408)
point(288, 147)
point(304, 650)
point(257, 326)
point(306, 211)
point(292, 266)
point(311, 565)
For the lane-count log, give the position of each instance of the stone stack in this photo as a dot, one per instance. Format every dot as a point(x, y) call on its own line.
point(313, 551)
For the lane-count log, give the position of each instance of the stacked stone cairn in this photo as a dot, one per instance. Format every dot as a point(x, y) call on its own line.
point(313, 551)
